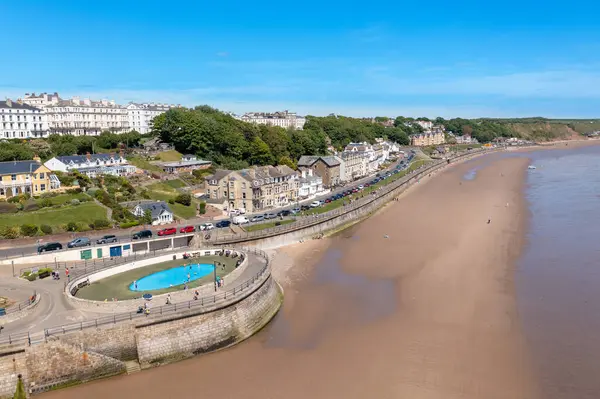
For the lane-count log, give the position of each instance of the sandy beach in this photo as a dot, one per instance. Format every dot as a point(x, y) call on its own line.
point(415, 302)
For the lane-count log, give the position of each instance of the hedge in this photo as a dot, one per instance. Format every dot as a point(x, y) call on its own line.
point(127, 225)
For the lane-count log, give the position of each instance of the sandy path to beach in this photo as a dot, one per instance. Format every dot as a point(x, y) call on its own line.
point(428, 312)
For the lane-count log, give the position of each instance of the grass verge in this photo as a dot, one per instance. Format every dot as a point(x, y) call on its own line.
point(268, 225)
point(86, 213)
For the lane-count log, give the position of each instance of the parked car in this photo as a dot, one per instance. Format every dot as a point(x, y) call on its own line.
point(284, 213)
point(187, 229)
point(206, 226)
point(107, 239)
point(361, 187)
point(295, 211)
point(142, 234)
point(169, 231)
point(223, 223)
point(49, 246)
point(257, 218)
point(79, 242)
point(240, 220)
point(270, 215)
point(304, 208)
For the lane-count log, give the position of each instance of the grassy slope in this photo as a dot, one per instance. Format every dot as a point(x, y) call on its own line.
point(143, 164)
point(170, 156)
point(268, 225)
point(164, 192)
point(86, 213)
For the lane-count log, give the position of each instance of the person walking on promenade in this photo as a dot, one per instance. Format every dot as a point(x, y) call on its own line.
point(67, 273)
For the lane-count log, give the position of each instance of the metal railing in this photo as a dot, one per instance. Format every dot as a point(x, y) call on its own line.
point(17, 307)
point(221, 298)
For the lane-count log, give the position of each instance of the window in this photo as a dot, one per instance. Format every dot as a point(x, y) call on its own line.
point(42, 175)
point(13, 177)
point(42, 187)
point(36, 188)
point(243, 185)
point(244, 195)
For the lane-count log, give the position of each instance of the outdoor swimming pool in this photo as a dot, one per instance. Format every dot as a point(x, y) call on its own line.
point(171, 277)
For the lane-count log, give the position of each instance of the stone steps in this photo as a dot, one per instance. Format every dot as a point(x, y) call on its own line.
point(132, 366)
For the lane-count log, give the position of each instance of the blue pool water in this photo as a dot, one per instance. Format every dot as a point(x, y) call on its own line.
point(172, 277)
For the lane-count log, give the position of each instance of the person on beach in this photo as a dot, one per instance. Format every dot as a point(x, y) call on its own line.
point(489, 220)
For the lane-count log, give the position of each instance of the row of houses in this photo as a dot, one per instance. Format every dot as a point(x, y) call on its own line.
point(266, 187)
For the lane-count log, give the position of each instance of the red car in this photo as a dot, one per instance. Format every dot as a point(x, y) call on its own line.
point(167, 232)
point(187, 229)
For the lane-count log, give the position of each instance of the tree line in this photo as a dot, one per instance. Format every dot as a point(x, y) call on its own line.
point(56, 145)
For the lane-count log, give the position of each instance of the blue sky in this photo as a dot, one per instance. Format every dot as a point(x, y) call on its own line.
point(438, 58)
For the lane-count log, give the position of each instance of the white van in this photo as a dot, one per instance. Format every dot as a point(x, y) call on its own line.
point(240, 220)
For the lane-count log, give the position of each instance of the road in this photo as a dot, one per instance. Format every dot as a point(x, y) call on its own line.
point(125, 236)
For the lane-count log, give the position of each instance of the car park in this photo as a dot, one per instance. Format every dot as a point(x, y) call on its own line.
point(167, 232)
point(206, 226)
point(107, 239)
point(187, 229)
point(49, 246)
point(79, 242)
point(257, 218)
point(142, 234)
point(223, 223)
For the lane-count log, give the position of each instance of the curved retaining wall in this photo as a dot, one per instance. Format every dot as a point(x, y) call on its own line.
point(130, 304)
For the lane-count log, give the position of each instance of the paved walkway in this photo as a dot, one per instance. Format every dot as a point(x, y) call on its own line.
point(55, 309)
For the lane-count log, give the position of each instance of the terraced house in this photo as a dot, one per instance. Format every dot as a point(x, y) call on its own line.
point(21, 177)
point(253, 189)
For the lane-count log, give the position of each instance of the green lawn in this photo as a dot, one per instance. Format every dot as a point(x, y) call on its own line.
point(117, 286)
point(170, 156)
point(268, 225)
point(143, 164)
point(165, 192)
point(177, 183)
point(85, 213)
point(62, 199)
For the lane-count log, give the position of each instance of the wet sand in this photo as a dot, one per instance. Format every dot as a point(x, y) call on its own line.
point(428, 312)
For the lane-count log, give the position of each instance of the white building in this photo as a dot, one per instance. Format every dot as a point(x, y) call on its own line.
point(159, 211)
point(86, 117)
point(426, 125)
point(92, 165)
point(140, 116)
point(21, 121)
point(311, 184)
point(284, 119)
point(356, 164)
point(41, 100)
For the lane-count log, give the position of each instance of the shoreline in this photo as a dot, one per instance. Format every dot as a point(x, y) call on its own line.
point(408, 310)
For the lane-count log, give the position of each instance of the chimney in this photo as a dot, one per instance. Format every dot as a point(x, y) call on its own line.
point(9, 102)
point(88, 156)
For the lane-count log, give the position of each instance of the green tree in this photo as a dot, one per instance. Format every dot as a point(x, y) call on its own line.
point(260, 153)
point(147, 218)
point(287, 161)
point(20, 391)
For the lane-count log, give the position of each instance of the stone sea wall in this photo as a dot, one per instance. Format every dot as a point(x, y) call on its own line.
point(76, 357)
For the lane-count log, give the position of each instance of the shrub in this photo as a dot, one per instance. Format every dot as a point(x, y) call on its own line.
point(46, 203)
point(184, 199)
point(26, 273)
point(46, 229)
point(82, 226)
point(74, 191)
point(202, 208)
point(71, 226)
point(32, 277)
point(29, 230)
point(14, 200)
point(100, 224)
point(126, 225)
point(9, 232)
point(6, 207)
point(44, 270)
point(30, 206)
point(75, 202)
